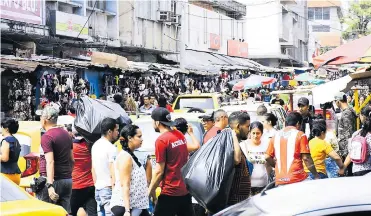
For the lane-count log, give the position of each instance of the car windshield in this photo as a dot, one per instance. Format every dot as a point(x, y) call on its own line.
point(150, 136)
point(10, 191)
point(195, 102)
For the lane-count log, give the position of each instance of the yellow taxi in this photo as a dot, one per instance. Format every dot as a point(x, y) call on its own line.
point(197, 102)
point(14, 201)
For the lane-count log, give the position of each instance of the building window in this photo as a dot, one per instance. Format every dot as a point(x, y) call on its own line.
point(319, 13)
point(321, 28)
point(310, 13)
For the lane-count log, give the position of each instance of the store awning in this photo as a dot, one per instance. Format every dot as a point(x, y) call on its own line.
point(214, 63)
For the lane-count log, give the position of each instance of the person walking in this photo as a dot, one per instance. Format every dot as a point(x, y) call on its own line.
point(288, 150)
point(360, 168)
point(320, 149)
point(10, 150)
point(56, 160)
point(171, 155)
point(130, 193)
point(182, 125)
point(304, 110)
point(103, 155)
point(83, 190)
point(241, 183)
point(255, 154)
point(346, 125)
point(147, 106)
point(207, 121)
point(269, 122)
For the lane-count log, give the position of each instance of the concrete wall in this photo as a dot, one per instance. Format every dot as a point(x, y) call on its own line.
point(203, 22)
point(141, 29)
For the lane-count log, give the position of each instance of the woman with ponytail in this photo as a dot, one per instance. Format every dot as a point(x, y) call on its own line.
point(130, 194)
point(320, 149)
point(360, 169)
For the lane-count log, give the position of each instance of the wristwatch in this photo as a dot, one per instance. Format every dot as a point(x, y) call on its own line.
point(48, 185)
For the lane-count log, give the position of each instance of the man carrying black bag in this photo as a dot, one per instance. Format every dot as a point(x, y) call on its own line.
point(241, 185)
point(171, 156)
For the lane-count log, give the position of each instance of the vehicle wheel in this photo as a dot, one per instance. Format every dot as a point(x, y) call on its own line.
point(196, 110)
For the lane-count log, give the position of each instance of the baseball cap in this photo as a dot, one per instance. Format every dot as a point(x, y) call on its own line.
point(162, 115)
point(209, 116)
point(339, 96)
point(49, 112)
point(303, 101)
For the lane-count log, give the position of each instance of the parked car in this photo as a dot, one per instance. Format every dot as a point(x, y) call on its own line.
point(251, 108)
point(316, 197)
point(14, 201)
point(203, 102)
point(150, 136)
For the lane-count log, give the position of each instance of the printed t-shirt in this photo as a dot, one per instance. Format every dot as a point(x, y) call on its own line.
point(256, 155)
point(287, 146)
point(58, 141)
point(171, 149)
point(319, 149)
point(81, 173)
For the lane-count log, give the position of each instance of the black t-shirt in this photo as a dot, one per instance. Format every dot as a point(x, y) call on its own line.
point(278, 101)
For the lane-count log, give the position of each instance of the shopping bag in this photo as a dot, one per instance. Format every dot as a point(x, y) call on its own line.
point(209, 173)
point(90, 113)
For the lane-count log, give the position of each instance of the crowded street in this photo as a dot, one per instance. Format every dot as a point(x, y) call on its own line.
point(185, 108)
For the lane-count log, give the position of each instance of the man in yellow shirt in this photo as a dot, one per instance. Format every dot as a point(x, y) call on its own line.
point(320, 149)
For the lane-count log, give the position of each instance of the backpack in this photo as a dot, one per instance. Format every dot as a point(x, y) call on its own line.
point(358, 149)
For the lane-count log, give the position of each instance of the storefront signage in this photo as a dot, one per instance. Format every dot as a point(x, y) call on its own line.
point(238, 49)
point(29, 11)
point(70, 25)
point(214, 41)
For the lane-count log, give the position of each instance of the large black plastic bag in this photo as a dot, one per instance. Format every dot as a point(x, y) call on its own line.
point(91, 112)
point(209, 173)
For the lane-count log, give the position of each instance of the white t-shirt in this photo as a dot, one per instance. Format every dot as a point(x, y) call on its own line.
point(103, 153)
point(256, 155)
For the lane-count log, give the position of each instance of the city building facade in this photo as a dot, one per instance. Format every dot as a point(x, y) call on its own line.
point(277, 32)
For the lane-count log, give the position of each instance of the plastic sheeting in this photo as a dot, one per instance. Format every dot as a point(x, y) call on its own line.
point(91, 112)
point(209, 173)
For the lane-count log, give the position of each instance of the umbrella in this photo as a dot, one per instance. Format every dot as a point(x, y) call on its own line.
point(355, 51)
point(233, 82)
point(305, 77)
point(253, 81)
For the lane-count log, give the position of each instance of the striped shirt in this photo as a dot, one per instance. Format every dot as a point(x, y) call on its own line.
point(287, 147)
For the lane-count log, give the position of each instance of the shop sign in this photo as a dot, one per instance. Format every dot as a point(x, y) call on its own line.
point(238, 49)
point(29, 11)
point(70, 25)
point(214, 41)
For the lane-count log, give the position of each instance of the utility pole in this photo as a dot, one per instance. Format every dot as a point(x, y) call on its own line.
point(184, 33)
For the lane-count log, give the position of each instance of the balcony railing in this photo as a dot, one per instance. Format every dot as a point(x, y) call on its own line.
point(230, 6)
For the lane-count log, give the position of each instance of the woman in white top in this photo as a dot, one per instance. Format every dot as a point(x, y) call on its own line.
point(269, 122)
point(130, 193)
point(256, 148)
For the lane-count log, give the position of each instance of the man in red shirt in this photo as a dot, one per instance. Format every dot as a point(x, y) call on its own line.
point(83, 190)
point(171, 156)
point(221, 122)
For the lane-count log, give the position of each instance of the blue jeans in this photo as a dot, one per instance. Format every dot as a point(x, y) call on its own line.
point(321, 175)
point(331, 168)
point(103, 198)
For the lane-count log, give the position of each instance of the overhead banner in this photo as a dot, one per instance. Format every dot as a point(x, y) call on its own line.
point(29, 11)
point(214, 41)
point(70, 25)
point(238, 49)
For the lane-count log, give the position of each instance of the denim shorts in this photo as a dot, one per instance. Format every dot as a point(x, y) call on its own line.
point(103, 198)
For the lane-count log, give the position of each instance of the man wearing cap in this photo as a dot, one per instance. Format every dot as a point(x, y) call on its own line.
point(346, 126)
point(207, 121)
point(171, 155)
point(56, 160)
point(307, 123)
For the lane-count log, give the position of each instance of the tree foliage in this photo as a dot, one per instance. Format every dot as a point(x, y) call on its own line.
point(358, 20)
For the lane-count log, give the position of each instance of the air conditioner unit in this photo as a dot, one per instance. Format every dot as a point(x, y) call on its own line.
point(164, 16)
point(175, 19)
